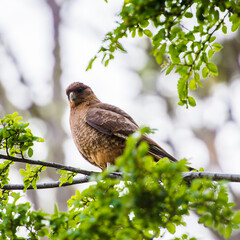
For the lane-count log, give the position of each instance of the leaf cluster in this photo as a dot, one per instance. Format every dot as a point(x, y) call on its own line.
point(15, 137)
point(174, 46)
point(19, 216)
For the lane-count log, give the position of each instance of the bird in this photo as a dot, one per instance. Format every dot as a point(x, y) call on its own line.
point(100, 130)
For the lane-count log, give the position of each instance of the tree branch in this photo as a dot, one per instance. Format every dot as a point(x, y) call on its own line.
point(213, 176)
point(187, 175)
point(46, 185)
point(48, 164)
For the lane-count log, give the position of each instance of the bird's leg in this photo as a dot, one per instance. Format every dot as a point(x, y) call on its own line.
point(108, 165)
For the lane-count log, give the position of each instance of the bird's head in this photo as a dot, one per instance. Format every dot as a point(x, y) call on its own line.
point(79, 93)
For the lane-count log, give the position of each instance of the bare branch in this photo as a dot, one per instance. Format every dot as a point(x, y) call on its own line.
point(213, 176)
point(48, 164)
point(46, 185)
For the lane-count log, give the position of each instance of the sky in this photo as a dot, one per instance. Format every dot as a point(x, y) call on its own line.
point(26, 30)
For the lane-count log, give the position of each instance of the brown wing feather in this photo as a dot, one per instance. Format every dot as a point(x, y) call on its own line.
point(110, 120)
point(156, 151)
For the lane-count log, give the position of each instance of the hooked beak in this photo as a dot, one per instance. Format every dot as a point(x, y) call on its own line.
point(72, 96)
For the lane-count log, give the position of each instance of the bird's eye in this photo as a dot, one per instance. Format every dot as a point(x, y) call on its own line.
point(79, 90)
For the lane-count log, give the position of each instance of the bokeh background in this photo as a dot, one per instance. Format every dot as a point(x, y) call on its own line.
point(46, 44)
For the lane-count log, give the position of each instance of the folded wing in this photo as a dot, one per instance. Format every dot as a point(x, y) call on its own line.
point(111, 120)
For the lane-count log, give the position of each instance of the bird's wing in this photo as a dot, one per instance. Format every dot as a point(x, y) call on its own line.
point(110, 120)
point(156, 151)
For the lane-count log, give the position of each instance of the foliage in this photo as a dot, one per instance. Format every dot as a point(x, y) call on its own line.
point(15, 137)
point(149, 200)
point(186, 50)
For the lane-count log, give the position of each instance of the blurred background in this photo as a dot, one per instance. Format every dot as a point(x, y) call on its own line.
point(46, 44)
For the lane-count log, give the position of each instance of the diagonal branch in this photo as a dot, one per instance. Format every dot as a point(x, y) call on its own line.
point(48, 164)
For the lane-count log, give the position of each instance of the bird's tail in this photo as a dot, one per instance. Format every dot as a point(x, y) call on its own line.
point(157, 152)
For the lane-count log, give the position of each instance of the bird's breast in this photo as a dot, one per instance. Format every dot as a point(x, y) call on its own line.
point(96, 147)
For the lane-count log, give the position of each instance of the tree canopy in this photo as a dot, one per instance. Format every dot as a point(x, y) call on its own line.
point(175, 45)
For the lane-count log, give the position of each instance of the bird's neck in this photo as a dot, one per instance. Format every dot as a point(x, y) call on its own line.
point(84, 105)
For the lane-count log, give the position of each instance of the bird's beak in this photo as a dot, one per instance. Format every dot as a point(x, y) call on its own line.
point(72, 96)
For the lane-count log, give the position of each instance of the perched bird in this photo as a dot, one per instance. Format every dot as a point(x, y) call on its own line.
point(100, 130)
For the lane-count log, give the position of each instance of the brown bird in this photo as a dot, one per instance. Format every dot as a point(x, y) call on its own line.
point(100, 130)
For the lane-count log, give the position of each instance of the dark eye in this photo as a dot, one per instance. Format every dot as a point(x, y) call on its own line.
point(79, 90)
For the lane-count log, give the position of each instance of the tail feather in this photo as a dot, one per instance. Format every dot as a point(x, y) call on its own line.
point(157, 152)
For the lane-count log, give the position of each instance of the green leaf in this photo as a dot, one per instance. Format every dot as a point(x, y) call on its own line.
point(216, 15)
point(192, 84)
point(217, 47)
point(140, 32)
point(182, 85)
point(190, 58)
point(236, 218)
point(228, 231)
point(148, 33)
point(144, 24)
point(159, 36)
point(205, 72)
point(171, 227)
point(159, 58)
point(159, 53)
point(15, 114)
point(106, 62)
point(210, 53)
point(91, 63)
point(133, 32)
point(235, 22)
point(196, 76)
point(191, 101)
point(212, 68)
point(188, 15)
point(190, 36)
point(174, 54)
point(30, 152)
point(22, 172)
point(212, 39)
point(170, 68)
point(120, 47)
point(175, 30)
point(224, 29)
point(42, 232)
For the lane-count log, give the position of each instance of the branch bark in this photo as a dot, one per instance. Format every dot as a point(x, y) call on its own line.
point(46, 185)
point(213, 176)
point(48, 164)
